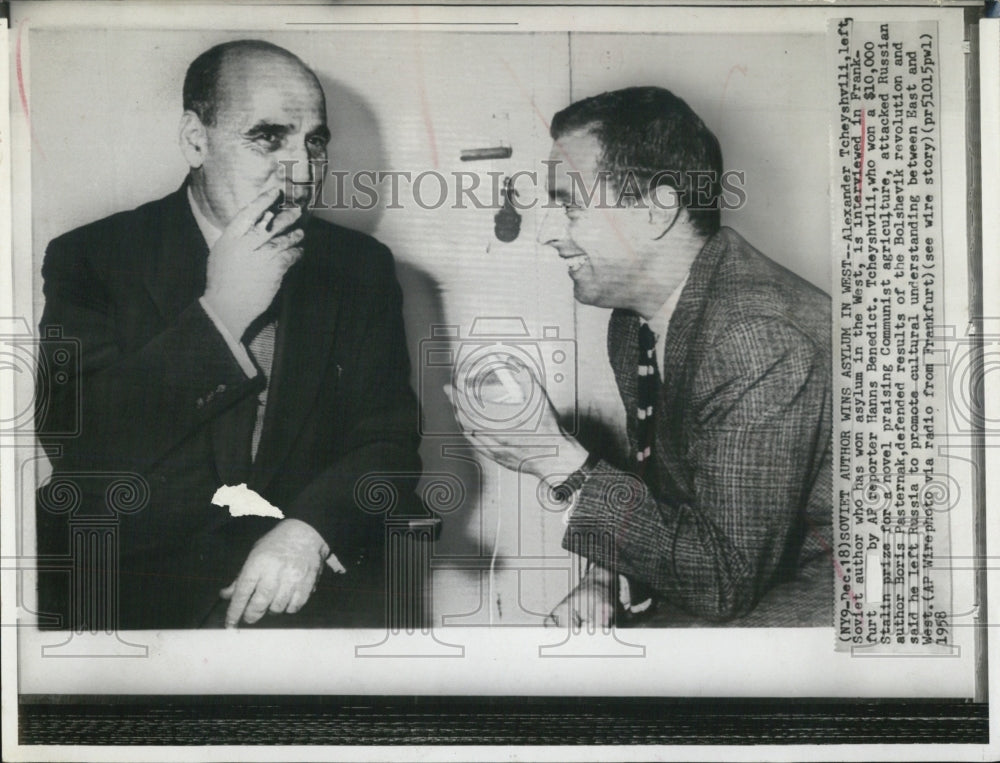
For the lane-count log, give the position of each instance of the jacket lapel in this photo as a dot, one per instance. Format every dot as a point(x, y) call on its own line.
point(306, 325)
point(682, 354)
point(682, 350)
point(174, 274)
point(623, 352)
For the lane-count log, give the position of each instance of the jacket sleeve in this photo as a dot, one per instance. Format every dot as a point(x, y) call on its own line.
point(760, 430)
point(125, 409)
point(377, 464)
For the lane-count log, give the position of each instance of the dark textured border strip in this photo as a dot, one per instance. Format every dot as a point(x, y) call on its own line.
point(182, 720)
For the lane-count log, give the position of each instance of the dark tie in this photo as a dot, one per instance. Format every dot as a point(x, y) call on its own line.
point(635, 597)
point(261, 346)
point(647, 389)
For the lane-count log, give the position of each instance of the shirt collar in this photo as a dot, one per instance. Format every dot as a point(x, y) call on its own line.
point(209, 232)
point(660, 322)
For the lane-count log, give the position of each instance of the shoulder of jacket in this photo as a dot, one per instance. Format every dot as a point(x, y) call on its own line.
point(750, 288)
point(132, 223)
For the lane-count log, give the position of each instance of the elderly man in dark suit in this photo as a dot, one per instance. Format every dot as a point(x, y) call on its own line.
point(228, 337)
point(723, 361)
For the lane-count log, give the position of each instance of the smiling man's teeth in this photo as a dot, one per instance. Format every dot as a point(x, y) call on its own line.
point(573, 264)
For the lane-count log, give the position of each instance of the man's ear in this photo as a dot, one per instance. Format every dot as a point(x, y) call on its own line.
point(665, 209)
point(193, 139)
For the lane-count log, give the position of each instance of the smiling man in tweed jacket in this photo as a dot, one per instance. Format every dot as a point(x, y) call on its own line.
point(723, 361)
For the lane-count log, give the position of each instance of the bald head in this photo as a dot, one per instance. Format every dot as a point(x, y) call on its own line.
point(254, 119)
point(216, 75)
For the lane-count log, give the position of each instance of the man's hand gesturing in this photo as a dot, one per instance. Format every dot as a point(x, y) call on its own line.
point(247, 263)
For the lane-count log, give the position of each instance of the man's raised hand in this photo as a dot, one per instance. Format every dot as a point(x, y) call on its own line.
point(516, 451)
point(247, 263)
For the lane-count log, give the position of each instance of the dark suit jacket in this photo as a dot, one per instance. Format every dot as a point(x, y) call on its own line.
point(737, 497)
point(160, 395)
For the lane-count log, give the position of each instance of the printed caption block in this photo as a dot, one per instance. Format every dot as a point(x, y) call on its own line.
point(890, 486)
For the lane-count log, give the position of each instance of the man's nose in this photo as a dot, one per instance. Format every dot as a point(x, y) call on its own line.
point(298, 167)
point(300, 174)
point(552, 229)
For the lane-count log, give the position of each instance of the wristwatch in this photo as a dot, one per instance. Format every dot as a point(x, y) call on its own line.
point(566, 490)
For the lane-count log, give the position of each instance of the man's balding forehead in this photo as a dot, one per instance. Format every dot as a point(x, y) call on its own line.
point(240, 54)
point(206, 73)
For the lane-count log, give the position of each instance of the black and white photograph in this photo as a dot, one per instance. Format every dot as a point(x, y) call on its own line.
point(583, 362)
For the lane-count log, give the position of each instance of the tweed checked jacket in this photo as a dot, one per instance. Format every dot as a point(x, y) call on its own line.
point(737, 495)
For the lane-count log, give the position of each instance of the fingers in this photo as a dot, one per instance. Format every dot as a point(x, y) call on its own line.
point(590, 605)
point(283, 242)
point(264, 223)
point(271, 227)
point(259, 603)
point(565, 614)
point(556, 617)
point(243, 589)
point(253, 595)
point(285, 596)
point(284, 220)
point(292, 596)
point(281, 599)
point(289, 257)
point(251, 214)
point(298, 600)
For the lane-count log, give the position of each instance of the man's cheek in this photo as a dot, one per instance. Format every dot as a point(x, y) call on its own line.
point(256, 173)
point(585, 239)
point(253, 185)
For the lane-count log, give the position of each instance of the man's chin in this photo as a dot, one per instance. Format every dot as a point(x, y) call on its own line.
point(583, 295)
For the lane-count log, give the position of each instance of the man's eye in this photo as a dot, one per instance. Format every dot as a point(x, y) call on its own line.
point(269, 139)
point(572, 209)
point(316, 146)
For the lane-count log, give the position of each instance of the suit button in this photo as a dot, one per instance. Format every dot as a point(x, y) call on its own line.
point(200, 402)
point(221, 388)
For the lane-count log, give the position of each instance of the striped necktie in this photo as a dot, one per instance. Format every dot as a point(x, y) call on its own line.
point(647, 390)
point(261, 346)
point(635, 597)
